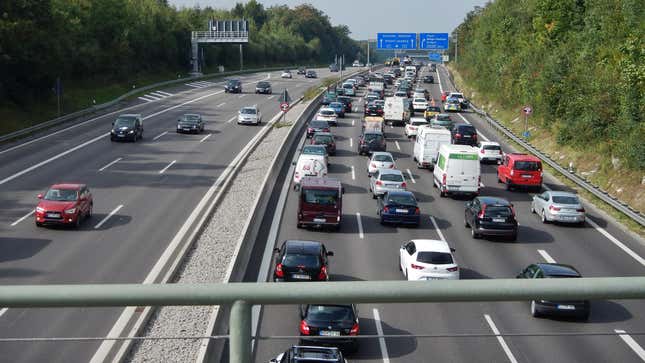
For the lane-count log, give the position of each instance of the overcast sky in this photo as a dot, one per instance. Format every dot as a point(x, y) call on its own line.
point(365, 18)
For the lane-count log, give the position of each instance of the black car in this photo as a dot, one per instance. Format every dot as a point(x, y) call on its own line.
point(317, 126)
point(347, 101)
point(371, 141)
point(301, 70)
point(307, 354)
point(301, 261)
point(322, 320)
point(464, 134)
point(388, 79)
point(491, 216)
point(263, 87)
point(127, 127)
point(374, 109)
point(191, 123)
point(578, 309)
point(311, 74)
point(428, 79)
point(233, 86)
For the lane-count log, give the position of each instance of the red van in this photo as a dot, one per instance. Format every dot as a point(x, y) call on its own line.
point(320, 203)
point(520, 170)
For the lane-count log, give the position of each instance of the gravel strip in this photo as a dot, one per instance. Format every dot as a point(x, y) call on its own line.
point(209, 259)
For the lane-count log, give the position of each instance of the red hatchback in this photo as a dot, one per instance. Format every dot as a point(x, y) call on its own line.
point(520, 170)
point(66, 204)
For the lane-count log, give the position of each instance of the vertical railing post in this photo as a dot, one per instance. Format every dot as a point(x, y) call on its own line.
point(240, 332)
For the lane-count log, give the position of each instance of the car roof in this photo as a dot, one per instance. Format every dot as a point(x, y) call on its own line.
point(75, 186)
point(558, 193)
point(328, 183)
point(390, 171)
point(192, 114)
point(130, 115)
point(326, 109)
point(489, 143)
point(303, 247)
point(558, 269)
point(323, 134)
point(434, 245)
point(522, 157)
point(494, 201)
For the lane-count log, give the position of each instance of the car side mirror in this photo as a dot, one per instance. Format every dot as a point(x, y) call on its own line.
point(330, 253)
point(40, 196)
point(273, 361)
point(276, 250)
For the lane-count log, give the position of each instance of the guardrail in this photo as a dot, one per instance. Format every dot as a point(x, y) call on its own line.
point(603, 195)
point(243, 295)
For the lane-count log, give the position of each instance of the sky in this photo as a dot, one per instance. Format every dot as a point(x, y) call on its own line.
point(365, 18)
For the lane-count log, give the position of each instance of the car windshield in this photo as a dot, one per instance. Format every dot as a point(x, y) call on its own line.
point(248, 111)
point(327, 113)
point(233, 83)
point(320, 196)
point(293, 260)
point(61, 195)
point(336, 105)
point(326, 313)
point(124, 122)
point(418, 123)
point(348, 85)
point(527, 166)
point(392, 177)
point(498, 211)
point(192, 119)
point(323, 139)
point(564, 199)
point(435, 258)
point(382, 157)
point(314, 150)
point(318, 124)
point(373, 137)
point(402, 199)
point(263, 84)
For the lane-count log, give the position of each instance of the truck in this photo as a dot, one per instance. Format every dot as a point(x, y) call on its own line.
point(396, 111)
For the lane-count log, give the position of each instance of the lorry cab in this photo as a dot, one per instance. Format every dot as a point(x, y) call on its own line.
point(457, 170)
point(320, 203)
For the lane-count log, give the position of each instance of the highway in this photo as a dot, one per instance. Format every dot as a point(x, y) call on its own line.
point(365, 250)
point(143, 193)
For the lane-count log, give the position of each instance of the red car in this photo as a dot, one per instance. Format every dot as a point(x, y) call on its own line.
point(64, 204)
point(520, 170)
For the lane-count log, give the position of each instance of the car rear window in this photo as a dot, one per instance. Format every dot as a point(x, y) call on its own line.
point(565, 199)
point(319, 124)
point(435, 258)
point(336, 105)
point(528, 165)
point(418, 123)
point(325, 139)
point(402, 200)
point(419, 100)
point(382, 158)
point(392, 177)
point(329, 313)
point(466, 128)
point(315, 150)
point(293, 260)
point(320, 197)
point(327, 113)
point(370, 137)
point(498, 211)
point(443, 118)
point(492, 147)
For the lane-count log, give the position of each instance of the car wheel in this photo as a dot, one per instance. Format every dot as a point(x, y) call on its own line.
point(532, 209)
point(298, 225)
point(508, 185)
point(374, 196)
point(498, 179)
point(38, 224)
point(400, 269)
point(543, 217)
point(466, 224)
point(534, 311)
point(90, 211)
point(474, 234)
point(513, 237)
point(584, 316)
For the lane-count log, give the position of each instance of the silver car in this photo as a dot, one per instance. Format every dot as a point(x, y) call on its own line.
point(380, 160)
point(385, 180)
point(554, 206)
point(249, 115)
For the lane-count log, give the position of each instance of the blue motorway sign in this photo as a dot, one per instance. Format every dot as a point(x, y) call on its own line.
point(433, 41)
point(435, 57)
point(396, 41)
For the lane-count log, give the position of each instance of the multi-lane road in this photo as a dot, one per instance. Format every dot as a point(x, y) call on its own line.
point(365, 250)
point(143, 193)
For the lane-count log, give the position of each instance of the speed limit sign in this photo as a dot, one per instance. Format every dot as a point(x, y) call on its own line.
point(284, 106)
point(527, 110)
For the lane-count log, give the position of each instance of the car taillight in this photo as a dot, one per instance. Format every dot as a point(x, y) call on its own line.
point(457, 135)
point(354, 330)
point(512, 172)
point(443, 179)
point(513, 212)
point(386, 209)
point(310, 129)
point(581, 210)
point(304, 328)
point(325, 130)
point(404, 185)
point(554, 208)
point(378, 182)
point(475, 136)
point(482, 212)
point(452, 269)
point(416, 267)
point(417, 210)
point(278, 270)
point(481, 151)
point(323, 273)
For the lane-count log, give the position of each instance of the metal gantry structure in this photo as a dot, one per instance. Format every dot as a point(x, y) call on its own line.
point(219, 32)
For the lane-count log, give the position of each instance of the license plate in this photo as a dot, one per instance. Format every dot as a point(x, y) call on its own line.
point(53, 215)
point(320, 220)
point(405, 211)
point(526, 176)
point(120, 135)
point(392, 185)
point(430, 278)
point(499, 220)
point(301, 277)
point(330, 333)
point(468, 136)
point(568, 210)
point(566, 307)
point(186, 129)
point(568, 218)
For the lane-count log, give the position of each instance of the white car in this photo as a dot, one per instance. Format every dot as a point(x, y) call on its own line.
point(414, 124)
point(419, 104)
point(327, 114)
point(380, 160)
point(286, 74)
point(490, 150)
point(249, 115)
point(428, 259)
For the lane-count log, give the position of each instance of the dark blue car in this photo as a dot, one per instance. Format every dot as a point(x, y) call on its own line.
point(399, 207)
point(339, 108)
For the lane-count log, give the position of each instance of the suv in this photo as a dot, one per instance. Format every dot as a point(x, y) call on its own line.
point(303, 354)
point(520, 170)
point(64, 204)
point(491, 216)
point(371, 141)
point(464, 134)
point(301, 261)
point(127, 127)
point(233, 86)
point(263, 87)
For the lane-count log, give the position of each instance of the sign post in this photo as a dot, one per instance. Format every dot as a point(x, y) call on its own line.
point(527, 111)
point(285, 102)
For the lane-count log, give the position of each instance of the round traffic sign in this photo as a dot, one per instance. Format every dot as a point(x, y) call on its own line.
point(527, 110)
point(284, 106)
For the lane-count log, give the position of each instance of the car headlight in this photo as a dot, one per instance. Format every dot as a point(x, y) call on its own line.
point(131, 132)
point(178, 126)
point(70, 211)
point(112, 131)
point(39, 209)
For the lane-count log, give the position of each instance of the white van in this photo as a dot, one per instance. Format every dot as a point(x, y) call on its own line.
point(457, 170)
point(309, 165)
point(411, 69)
point(395, 111)
point(426, 146)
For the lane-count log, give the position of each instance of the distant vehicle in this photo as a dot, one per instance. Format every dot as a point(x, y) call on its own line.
point(64, 204)
point(428, 259)
point(373, 123)
point(191, 123)
point(457, 170)
point(491, 216)
point(328, 98)
point(371, 141)
point(249, 115)
point(373, 109)
point(309, 165)
point(386, 180)
point(428, 79)
point(339, 321)
point(433, 67)
point(317, 126)
point(444, 96)
point(347, 101)
point(356, 64)
point(333, 68)
point(320, 203)
point(327, 114)
point(555, 206)
point(443, 120)
point(263, 87)
point(311, 74)
point(349, 89)
point(320, 150)
point(380, 160)
point(520, 170)
point(233, 86)
point(460, 97)
point(412, 126)
point(286, 74)
point(398, 207)
point(490, 150)
point(339, 108)
point(301, 261)
point(301, 70)
point(580, 309)
point(419, 104)
point(127, 127)
point(452, 104)
point(426, 146)
point(432, 111)
point(301, 354)
point(464, 134)
point(326, 139)
point(395, 111)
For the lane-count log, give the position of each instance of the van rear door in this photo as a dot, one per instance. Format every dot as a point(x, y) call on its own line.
point(463, 171)
point(321, 206)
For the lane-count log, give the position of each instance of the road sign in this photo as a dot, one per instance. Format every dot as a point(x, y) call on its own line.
point(433, 41)
point(435, 57)
point(284, 106)
point(526, 134)
point(396, 41)
point(284, 97)
point(445, 58)
point(527, 110)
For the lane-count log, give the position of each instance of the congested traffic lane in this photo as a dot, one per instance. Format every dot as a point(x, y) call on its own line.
point(140, 202)
point(373, 257)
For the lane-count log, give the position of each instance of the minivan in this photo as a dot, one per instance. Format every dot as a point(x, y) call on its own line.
point(426, 146)
point(457, 170)
point(520, 170)
point(320, 203)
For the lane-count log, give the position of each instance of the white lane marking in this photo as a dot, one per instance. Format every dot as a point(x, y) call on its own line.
point(165, 93)
point(3, 310)
point(360, 225)
point(628, 340)
point(98, 225)
point(439, 78)
point(352, 122)
point(481, 185)
point(221, 104)
point(500, 339)
point(231, 119)
point(242, 95)
point(205, 137)
point(146, 99)
point(351, 143)
point(110, 164)
point(353, 174)
point(397, 145)
point(478, 133)
point(22, 219)
point(194, 85)
point(436, 226)
point(270, 97)
point(381, 340)
point(463, 118)
point(620, 245)
point(149, 95)
point(167, 166)
point(159, 94)
point(411, 177)
point(546, 256)
point(158, 136)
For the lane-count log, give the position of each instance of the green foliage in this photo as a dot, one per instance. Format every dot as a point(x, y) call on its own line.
point(579, 63)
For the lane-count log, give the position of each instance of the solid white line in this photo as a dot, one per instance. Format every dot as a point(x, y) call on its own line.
point(193, 85)
point(205, 137)
point(500, 339)
point(221, 104)
point(98, 225)
point(167, 166)
point(110, 164)
point(22, 219)
point(360, 225)
point(270, 97)
point(546, 256)
point(159, 94)
point(231, 119)
point(353, 174)
point(149, 95)
point(620, 245)
point(463, 118)
point(439, 78)
point(352, 122)
point(351, 143)
point(146, 99)
point(381, 340)
point(411, 177)
point(3, 310)
point(397, 145)
point(628, 340)
point(158, 136)
point(434, 223)
point(165, 93)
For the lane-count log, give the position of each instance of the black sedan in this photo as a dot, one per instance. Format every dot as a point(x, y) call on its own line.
point(374, 109)
point(428, 79)
point(301, 261)
point(491, 216)
point(317, 126)
point(233, 86)
point(578, 309)
point(329, 320)
point(311, 74)
point(190, 123)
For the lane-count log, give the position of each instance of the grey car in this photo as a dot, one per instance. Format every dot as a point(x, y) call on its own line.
point(263, 87)
point(442, 119)
point(386, 180)
point(554, 206)
point(249, 115)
